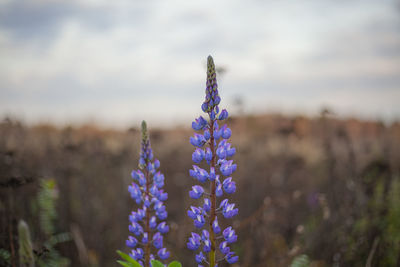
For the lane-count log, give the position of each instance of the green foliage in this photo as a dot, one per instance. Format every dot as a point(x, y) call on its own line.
point(129, 262)
point(376, 232)
point(155, 263)
point(25, 245)
point(126, 264)
point(300, 261)
point(175, 264)
point(46, 199)
point(57, 239)
point(391, 232)
point(4, 257)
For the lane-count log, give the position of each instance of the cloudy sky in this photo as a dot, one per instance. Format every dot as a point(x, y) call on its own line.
point(117, 62)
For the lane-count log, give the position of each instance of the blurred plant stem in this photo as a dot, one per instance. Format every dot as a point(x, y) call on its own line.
point(25, 245)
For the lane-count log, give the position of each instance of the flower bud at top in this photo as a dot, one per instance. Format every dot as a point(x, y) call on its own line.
point(212, 97)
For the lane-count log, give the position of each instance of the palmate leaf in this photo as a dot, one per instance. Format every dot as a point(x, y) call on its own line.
point(155, 263)
point(129, 261)
point(300, 261)
point(126, 264)
point(175, 264)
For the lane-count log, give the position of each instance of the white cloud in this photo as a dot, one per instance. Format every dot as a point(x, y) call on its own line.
point(131, 55)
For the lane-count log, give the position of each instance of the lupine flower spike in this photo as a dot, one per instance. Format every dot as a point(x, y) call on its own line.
point(212, 146)
point(147, 223)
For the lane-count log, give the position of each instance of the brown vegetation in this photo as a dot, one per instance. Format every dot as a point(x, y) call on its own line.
point(324, 187)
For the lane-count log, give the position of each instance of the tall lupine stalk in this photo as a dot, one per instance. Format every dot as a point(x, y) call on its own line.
point(148, 222)
point(213, 147)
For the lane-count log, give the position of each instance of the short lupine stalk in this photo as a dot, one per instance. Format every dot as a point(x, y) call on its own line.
point(147, 224)
point(212, 146)
point(26, 257)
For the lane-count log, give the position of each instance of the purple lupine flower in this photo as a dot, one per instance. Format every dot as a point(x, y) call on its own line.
point(199, 221)
point(216, 227)
point(131, 242)
point(229, 235)
point(229, 186)
point(224, 248)
point(198, 155)
point(200, 258)
point(163, 254)
point(205, 235)
point(148, 222)
point(207, 245)
point(231, 258)
point(196, 192)
point(194, 212)
point(207, 205)
point(158, 240)
point(212, 145)
point(229, 210)
point(163, 228)
point(194, 242)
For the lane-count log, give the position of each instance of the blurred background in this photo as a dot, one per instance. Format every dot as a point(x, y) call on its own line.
point(313, 92)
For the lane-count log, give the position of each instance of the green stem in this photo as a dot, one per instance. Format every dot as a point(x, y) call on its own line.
point(147, 226)
point(213, 199)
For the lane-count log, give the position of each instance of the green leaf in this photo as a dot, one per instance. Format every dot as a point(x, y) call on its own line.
point(155, 263)
point(300, 261)
point(175, 264)
point(5, 255)
point(128, 258)
point(125, 264)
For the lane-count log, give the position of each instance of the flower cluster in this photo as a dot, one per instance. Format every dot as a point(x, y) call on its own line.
point(147, 224)
point(212, 146)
